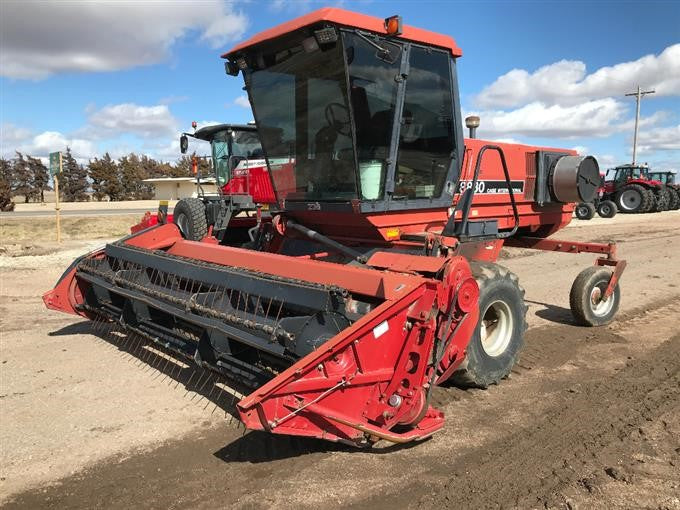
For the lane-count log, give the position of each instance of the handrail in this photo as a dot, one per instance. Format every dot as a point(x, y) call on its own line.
point(468, 199)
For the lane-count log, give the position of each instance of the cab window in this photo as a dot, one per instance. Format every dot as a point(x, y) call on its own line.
point(426, 140)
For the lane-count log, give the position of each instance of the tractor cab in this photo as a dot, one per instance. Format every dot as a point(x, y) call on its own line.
point(667, 178)
point(237, 160)
point(341, 126)
point(626, 173)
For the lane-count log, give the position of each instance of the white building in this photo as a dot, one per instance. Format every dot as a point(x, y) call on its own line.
point(176, 188)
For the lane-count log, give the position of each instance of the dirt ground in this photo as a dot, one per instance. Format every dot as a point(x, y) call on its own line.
point(590, 417)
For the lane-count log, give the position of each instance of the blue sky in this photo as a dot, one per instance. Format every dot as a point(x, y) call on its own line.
point(128, 76)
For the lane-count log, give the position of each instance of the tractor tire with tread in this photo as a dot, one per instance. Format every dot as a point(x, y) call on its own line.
point(652, 202)
point(675, 202)
point(584, 297)
point(662, 200)
point(633, 198)
point(189, 216)
point(499, 336)
point(607, 209)
point(584, 211)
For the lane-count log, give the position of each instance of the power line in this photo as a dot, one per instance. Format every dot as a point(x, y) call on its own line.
point(638, 96)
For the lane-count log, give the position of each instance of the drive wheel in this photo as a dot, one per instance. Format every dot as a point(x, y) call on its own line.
point(585, 297)
point(584, 211)
point(607, 209)
point(189, 216)
point(651, 202)
point(632, 199)
point(675, 204)
point(499, 336)
point(662, 200)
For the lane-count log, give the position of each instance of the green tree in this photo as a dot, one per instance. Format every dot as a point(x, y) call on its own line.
point(73, 183)
point(6, 203)
point(103, 173)
point(40, 177)
point(22, 179)
point(133, 171)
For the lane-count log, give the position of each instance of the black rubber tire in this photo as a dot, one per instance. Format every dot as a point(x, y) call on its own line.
point(651, 202)
point(643, 200)
point(189, 216)
point(675, 205)
point(584, 211)
point(580, 297)
point(662, 199)
point(607, 209)
point(498, 287)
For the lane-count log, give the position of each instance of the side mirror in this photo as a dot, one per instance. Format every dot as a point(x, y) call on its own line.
point(183, 144)
point(231, 68)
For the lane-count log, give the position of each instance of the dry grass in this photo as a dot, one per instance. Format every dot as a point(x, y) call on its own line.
point(35, 235)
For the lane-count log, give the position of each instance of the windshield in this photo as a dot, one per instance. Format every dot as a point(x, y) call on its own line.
point(300, 104)
point(246, 144)
point(331, 124)
point(228, 142)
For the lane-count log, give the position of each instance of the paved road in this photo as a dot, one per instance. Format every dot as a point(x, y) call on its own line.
point(49, 211)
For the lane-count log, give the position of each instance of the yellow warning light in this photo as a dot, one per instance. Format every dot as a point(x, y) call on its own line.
point(392, 233)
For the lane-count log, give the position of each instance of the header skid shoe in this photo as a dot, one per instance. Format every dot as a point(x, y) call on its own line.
point(336, 352)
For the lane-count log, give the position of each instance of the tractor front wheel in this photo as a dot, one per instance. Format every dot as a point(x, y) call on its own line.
point(189, 216)
point(499, 336)
point(586, 297)
point(585, 211)
point(607, 209)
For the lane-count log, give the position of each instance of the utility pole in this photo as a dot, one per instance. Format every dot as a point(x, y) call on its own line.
point(638, 96)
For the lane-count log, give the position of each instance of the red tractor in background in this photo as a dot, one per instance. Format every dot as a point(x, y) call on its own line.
point(244, 188)
point(631, 188)
point(668, 180)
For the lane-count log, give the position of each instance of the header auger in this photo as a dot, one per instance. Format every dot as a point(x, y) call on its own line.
point(378, 279)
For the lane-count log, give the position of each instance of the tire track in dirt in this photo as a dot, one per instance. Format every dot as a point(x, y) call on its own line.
point(258, 467)
point(528, 468)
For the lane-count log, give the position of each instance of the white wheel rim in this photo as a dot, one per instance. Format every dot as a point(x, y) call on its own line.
point(630, 199)
point(496, 328)
point(597, 305)
point(183, 223)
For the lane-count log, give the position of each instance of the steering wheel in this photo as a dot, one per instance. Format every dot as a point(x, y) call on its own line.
point(331, 112)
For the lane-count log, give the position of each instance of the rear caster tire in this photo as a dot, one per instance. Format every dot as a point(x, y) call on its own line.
point(499, 336)
point(607, 209)
point(585, 211)
point(585, 297)
point(189, 216)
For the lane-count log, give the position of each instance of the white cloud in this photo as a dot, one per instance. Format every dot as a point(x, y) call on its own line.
point(594, 118)
point(581, 150)
point(662, 138)
point(242, 101)
point(129, 118)
point(599, 118)
point(12, 135)
point(43, 38)
point(40, 145)
point(566, 82)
